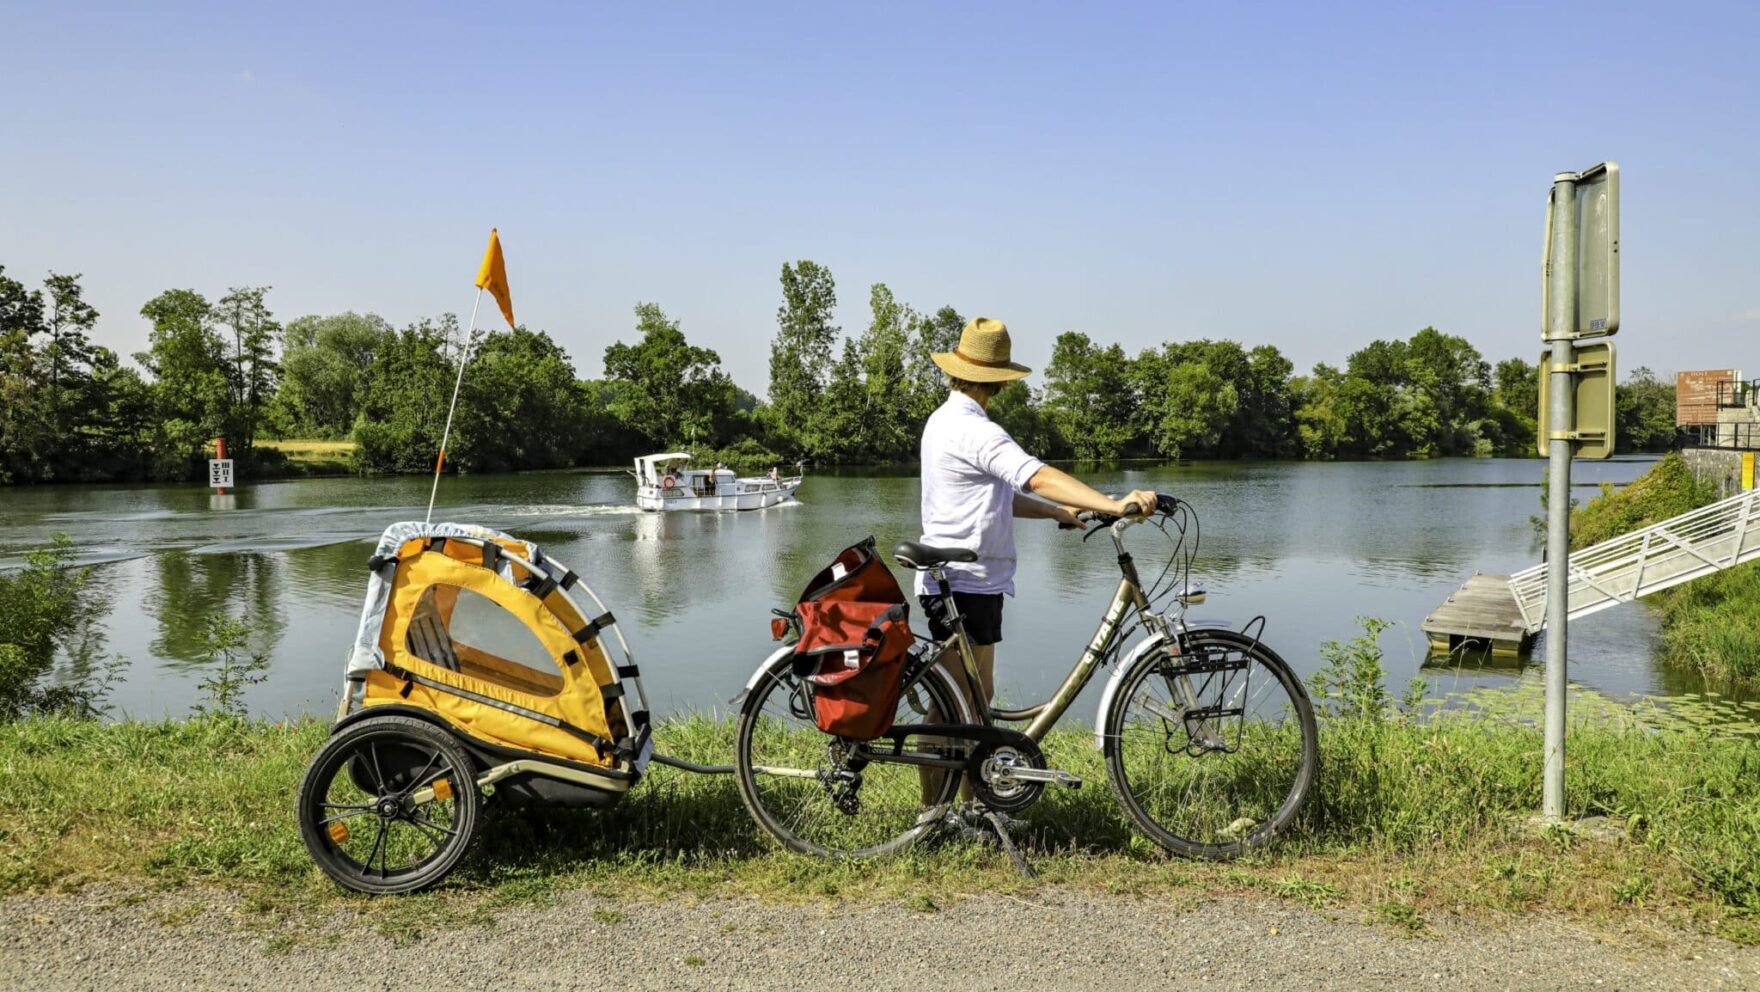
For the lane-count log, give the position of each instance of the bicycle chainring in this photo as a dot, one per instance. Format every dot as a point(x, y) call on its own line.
point(988, 767)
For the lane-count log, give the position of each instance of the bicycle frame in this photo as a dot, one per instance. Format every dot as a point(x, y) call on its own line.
point(1043, 716)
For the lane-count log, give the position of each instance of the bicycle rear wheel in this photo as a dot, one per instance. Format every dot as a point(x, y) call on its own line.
point(1212, 749)
point(797, 782)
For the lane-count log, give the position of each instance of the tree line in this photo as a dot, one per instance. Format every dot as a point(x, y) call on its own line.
point(74, 411)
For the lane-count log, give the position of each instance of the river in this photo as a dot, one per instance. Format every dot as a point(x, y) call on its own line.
point(1308, 545)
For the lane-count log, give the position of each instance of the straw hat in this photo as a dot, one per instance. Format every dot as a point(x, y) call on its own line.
point(982, 355)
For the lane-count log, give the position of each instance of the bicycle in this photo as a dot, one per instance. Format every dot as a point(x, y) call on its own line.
point(1208, 736)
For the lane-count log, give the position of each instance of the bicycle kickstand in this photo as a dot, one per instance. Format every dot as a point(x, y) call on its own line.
point(1007, 842)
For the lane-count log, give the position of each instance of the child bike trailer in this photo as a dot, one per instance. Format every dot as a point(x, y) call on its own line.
point(476, 673)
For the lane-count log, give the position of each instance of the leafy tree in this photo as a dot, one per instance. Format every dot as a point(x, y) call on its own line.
point(403, 411)
point(800, 355)
point(1518, 387)
point(1088, 396)
point(324, 365)
point(67, 356)
point(1187, 404)
point(1644, 413)
point(1264, 422)
point(1320, 428)
point(251, 371)
point(27, 431)
point(520, 406)
point(930, 334)
point(888, 429)
point(670, 391)
point(192, 393)
point(1015, 410)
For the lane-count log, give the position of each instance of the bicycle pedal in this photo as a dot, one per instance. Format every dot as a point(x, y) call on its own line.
point(1049, 776)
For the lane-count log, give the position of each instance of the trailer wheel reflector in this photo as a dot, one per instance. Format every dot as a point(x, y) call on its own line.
point(442, 789)
point(339, 833)
point(778, 629)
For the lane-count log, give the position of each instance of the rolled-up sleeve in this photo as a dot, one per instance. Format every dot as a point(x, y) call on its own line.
point(997, 454)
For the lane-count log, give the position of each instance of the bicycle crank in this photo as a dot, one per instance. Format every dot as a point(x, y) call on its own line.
point(1011, 776)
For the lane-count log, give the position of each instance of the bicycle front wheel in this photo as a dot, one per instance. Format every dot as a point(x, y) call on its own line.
point(817, 794)
point(1213, 748)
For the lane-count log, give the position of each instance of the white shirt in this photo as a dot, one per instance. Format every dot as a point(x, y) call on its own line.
point(971, 472)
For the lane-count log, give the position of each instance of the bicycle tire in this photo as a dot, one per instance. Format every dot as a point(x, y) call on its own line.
point(1251, 823)
point(768, 798)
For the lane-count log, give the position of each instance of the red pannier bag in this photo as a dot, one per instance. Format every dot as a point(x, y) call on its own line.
point(851, 655)
point(855, 635)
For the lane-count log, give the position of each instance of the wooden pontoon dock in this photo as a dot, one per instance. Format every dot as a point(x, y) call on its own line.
point(1483, 613)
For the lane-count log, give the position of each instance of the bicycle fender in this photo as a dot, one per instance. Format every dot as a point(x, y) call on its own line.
point(1127, 663)
point(752, 683)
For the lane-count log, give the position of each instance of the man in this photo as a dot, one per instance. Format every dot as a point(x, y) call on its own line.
point(976, 481)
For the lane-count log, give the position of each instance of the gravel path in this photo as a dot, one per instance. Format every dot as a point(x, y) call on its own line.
point(111, 941)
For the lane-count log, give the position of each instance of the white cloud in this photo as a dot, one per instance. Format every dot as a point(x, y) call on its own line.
point(246, 78)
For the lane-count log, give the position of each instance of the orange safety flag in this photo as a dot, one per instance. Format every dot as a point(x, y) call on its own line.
point(493, 276)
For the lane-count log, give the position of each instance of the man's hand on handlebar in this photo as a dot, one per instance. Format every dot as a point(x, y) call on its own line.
point(1157, 503)
point(1138, 503)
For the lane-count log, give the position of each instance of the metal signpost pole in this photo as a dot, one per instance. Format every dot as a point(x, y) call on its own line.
point(1561, 324)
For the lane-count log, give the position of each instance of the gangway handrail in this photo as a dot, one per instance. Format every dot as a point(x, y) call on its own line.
point(1711, 538)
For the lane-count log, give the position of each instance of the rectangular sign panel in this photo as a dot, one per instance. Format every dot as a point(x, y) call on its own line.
point(1597, 254)
point(220, 473)
point(1695, 395)
point(1594, 411)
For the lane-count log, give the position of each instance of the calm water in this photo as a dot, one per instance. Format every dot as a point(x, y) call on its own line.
point(1310, 546)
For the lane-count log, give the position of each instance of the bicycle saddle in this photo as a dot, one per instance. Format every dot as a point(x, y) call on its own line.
point(910, 554)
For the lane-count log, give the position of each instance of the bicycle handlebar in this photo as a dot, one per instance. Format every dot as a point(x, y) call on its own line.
point(1164, 503)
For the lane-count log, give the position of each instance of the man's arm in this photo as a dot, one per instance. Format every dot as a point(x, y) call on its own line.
point(1056, 484)
point(1028, 508)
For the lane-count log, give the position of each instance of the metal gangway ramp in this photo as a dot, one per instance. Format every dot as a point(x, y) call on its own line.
point(1712, 538)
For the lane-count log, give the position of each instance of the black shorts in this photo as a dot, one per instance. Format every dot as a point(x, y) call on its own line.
point(981, 612)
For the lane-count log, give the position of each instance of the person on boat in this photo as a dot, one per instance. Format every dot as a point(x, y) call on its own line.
point(976, 481)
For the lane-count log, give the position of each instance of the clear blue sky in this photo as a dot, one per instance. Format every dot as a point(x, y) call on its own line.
point(1309, 175)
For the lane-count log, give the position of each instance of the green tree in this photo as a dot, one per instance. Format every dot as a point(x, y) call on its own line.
point(1264, 422)
point(324, 367)
point(251, 370)
point(27, 430)
point(192, 394)
point(1644, 413)
point(404, 400)
point(887, 428)
point(1320, 428)
point(930, 334)
point(1088, 396)
point(524, 379)
point(670, 391)
point(800, 355)
point(1017, 412)
point(67, 355)
point(1187, 404)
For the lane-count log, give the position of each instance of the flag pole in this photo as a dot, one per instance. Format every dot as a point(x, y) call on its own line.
point(463, 358)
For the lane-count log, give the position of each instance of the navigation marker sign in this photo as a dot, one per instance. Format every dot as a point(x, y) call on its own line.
point(220, 474)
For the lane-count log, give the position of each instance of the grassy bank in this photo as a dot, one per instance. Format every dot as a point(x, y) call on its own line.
point(309, 457)
point(1710, 625)
point(1411, 819)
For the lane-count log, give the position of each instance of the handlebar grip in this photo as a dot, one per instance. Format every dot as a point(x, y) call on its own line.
point(1132, 510)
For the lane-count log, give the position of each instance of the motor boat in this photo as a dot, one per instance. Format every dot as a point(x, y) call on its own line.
point(668, 482)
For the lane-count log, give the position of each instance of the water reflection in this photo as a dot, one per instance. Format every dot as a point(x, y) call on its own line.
point(193, 587)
